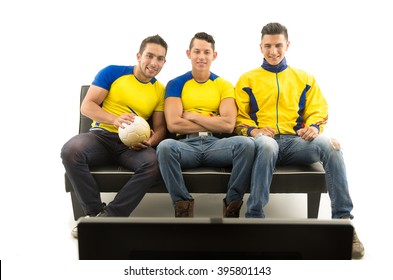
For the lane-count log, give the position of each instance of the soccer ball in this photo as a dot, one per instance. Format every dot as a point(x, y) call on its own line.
point(135, 132)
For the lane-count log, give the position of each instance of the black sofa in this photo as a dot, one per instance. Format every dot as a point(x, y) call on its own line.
point(308, 179)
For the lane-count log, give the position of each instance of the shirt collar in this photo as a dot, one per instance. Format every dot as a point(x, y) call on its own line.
point(275, 68)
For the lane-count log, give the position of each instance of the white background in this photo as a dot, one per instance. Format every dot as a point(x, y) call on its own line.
point(49, 49)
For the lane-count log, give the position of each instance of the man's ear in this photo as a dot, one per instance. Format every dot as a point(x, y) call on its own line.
point(215, 55)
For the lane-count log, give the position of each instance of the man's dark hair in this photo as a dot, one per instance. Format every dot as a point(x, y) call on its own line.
point(203, 36)
point(275, 28)
point(156, 39)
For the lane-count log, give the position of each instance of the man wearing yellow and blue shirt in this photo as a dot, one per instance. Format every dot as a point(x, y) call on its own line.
point(284, 110)
point(199, 108)
point(116, 96)
point(127, 94)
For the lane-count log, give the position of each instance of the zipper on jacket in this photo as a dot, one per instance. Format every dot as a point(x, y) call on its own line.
point(278, 97)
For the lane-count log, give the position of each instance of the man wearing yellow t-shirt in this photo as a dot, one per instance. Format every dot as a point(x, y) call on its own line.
point(200, 107)
point(117, 94)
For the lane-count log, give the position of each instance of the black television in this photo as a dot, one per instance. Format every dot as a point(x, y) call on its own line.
point(214, 239)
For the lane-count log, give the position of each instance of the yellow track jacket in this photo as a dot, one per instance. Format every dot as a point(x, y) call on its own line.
point(281, 97)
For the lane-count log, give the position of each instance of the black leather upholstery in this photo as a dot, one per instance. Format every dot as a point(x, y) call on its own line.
point(308, 179)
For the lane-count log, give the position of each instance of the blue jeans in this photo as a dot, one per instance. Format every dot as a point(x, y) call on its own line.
point(235, 151)
point(290, 149)
point(100, 147)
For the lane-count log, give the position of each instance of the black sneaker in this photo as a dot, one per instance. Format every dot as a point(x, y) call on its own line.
point(103, 213)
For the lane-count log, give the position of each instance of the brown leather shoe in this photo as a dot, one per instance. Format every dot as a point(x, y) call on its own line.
point(184, 208)
point(233, 209)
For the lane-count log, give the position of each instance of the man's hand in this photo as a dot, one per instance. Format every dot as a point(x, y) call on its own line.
point(189, 116)
point(145, 144)
point(267, 131)
point(308, 133)
point(124, 118)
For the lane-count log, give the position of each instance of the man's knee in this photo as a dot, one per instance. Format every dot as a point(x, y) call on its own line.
point(75, 145)
point(246, 144)
point(164, 148)
point(329, 143)
point(335, 144)
point(69, 151)
point(266, 144)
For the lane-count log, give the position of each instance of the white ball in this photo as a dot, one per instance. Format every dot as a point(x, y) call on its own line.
point(135, 132)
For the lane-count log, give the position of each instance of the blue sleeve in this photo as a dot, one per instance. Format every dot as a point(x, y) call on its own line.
point(174, 87)
point(111, 73)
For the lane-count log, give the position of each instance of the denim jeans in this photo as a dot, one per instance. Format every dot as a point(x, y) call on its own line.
point(235, 151)
point(100, 147)
point(290, 149)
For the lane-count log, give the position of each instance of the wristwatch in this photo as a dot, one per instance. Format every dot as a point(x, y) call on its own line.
point(259, 135)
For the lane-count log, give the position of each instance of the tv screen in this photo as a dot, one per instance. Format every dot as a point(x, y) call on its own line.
point(213, 239)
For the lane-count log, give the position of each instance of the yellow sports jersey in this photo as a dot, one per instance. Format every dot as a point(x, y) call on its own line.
point(203, 98)
point(280, 97)
point(126, 94)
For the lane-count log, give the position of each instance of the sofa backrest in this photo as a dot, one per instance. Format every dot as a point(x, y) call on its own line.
point(84, 122)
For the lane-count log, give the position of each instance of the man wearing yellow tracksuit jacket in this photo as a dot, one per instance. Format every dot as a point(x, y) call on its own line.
point(284, 110)
point(287, 100)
